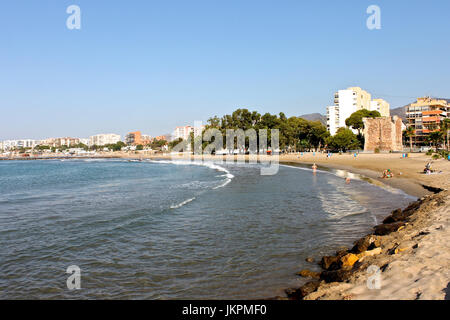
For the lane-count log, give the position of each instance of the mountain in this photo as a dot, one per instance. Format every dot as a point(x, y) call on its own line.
point(400, 112)
point(315, 117)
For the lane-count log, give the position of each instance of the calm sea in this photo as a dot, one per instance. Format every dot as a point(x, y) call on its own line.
point(173, 230)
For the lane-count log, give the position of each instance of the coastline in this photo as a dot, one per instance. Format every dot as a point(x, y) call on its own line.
point(410, 249)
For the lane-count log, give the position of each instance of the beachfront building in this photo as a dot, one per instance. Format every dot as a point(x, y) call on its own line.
point(19, 144)
point(137, 138)
point(382, 106)
point(104, 139)
point(59, 142)
point(425, 116)
point(185, 132)
point(349, 101)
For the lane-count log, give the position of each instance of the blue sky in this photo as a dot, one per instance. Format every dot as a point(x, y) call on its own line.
point(153, 65)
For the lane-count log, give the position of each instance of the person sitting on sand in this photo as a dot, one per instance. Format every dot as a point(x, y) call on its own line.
point(428, 169)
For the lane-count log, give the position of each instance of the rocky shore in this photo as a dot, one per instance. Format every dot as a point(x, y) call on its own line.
point(408, 254)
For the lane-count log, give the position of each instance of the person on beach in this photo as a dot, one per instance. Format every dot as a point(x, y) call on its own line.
point(314, 167)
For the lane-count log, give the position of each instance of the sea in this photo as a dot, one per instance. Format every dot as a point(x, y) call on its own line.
point(162, 229)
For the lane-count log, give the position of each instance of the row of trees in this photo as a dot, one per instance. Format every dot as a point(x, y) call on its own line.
point(295, 133)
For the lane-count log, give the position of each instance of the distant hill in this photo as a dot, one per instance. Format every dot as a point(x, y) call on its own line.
point(315, 117)
point(400, 112)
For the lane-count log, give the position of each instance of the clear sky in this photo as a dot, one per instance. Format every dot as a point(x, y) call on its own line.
point(152, 65)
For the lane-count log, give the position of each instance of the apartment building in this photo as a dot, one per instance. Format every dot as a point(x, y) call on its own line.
point(104, 139)
point(137, 138)
point(382, 106)
point(19, 144)
point(348, 101)
point(185, 132)
point(425, 116)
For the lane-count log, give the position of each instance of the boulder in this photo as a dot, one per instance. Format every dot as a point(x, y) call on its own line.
point(349, 260)
point(369, 253)
point(366, 243)
point(309, 273)
point(303, 291)
point(335, 275)
point(384, 229)
point(330, 262)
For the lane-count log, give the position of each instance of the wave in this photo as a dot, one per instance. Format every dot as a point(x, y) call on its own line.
point(182, 203)
point(210, 165)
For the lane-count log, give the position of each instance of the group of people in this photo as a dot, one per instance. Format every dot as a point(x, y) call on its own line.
point(387, 174)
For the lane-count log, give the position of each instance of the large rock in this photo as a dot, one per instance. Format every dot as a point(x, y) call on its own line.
point(333, 262)
point(303, 291)
point(369, 253)
point(330, 262)
point(309, 273)
point(384, 229)
point(367, 243)
point(349, 260)
point(335, 275)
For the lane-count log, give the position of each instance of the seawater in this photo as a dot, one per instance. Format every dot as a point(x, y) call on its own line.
point(173, 230)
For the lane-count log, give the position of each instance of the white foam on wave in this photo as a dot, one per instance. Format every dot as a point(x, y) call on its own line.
point(210, 165)
point(182, 203)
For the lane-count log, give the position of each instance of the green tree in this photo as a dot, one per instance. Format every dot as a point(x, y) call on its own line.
point(355, 120)
point(410, 133)
point(343, 140)
point(139, 147)
point(445, 128)
point(435, 138)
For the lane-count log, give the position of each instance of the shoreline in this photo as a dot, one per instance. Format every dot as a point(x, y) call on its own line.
point(414, 239)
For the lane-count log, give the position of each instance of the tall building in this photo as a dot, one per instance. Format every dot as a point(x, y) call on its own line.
point(104, 139)
point(382, 106)
point(185, 132)
point(425, 116)
point(137, 138)
point(349, 101)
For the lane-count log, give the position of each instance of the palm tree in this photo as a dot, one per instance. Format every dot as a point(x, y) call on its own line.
point(445, 128)
point(410, 132)
point(435, 137)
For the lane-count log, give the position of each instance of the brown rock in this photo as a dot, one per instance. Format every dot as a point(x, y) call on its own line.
point(330, 262)
point(370, 253)
point(303, 291)
point(309, 259)
point(349, 260)
point(384, 229)
point(309, 273)
point(366, 243)
point(335, 275)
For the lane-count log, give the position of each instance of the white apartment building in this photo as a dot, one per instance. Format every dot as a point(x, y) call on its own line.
point(16, 144)
point(103, 139)
point(184, 132)
point(349, 101)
